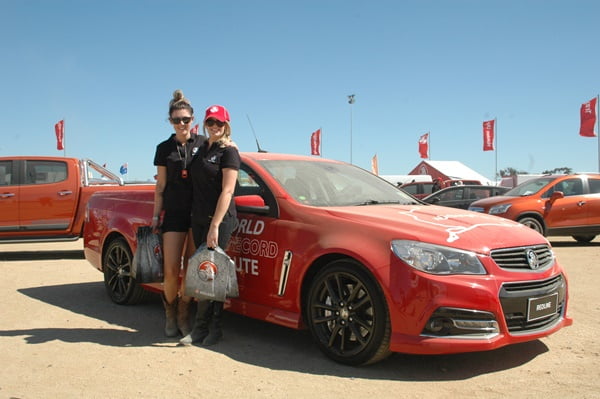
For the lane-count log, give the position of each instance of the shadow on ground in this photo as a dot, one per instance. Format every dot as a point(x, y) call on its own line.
point(42, 255)
point(251, 341)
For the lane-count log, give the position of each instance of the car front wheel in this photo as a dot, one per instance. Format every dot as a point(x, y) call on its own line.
point(347, 315)
point(118, 281)
point(532, 223)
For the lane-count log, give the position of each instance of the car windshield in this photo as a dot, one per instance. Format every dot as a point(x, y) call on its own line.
point(319, 183)
point(530, 187)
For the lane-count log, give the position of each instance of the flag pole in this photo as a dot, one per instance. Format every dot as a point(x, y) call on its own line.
point(598, 128)
point(496, 149)
point(429, 145)
point(64, 138)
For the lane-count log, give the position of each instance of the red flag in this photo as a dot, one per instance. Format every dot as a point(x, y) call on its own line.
point(588, 119)
point(488, 135)
point(315, 142)
point(59, 129)
point(374, 166)
point(194, 130)
point(424, 146)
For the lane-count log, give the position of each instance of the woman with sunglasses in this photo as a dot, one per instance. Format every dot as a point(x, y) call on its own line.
point(173, 201)
point(214, 175)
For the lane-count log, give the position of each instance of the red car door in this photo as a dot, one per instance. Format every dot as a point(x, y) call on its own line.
point(9, 194)
point(567, 211)
point(48, 196)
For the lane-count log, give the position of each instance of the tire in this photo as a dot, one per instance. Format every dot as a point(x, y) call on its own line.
point(532, 223)
point(584, 239)
point(347, 315)
point(116, 264)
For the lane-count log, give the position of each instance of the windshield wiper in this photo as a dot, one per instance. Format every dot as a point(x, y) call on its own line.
point(376, 202)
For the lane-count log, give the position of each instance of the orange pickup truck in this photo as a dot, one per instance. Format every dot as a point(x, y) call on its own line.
point(44, 198)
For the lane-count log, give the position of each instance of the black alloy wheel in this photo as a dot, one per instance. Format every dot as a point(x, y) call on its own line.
point(347, 314)
point(118, 281)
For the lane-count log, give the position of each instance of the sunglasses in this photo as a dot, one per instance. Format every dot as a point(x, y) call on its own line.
point(185, 120)
point(211, 122)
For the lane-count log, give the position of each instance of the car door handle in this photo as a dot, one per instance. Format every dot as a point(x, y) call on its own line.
point(7, 195)
point(581, 203)
point(65, 192)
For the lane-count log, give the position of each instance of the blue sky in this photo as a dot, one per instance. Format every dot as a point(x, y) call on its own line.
point(109, 68)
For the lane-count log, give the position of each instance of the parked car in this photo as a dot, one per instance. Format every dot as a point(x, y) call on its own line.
point(368, 269)
point(43, 198)
point(418, 189)
point(462, 196)
point(553, 205)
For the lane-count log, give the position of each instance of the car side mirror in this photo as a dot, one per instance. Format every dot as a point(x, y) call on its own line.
point(556, 195)
point(435, 200)
point(251, 204)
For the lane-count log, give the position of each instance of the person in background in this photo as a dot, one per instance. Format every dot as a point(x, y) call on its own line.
point(173, 201)
point(214, 174)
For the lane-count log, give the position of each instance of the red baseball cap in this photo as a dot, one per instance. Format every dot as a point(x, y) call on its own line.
point(217, 112)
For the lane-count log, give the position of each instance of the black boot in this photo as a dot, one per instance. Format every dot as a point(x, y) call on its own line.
point(215, 333)
point(200, 329)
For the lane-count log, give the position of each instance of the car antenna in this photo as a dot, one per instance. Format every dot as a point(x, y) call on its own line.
point(254, 133)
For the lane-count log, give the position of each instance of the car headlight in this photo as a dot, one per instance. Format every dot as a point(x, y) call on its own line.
point(436, 259)
point(499, 209)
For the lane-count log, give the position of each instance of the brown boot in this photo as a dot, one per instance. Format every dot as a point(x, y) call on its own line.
point(183, 317)
point(171, 329)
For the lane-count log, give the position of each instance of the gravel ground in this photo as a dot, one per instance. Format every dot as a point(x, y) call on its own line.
point(60, 336)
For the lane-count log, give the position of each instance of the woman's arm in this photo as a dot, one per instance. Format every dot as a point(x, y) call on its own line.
point(161, 182)
point(228, 187)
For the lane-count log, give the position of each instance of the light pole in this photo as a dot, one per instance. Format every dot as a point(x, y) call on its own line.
point(351, 101)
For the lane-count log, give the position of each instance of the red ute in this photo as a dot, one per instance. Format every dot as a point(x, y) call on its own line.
point(328, 246)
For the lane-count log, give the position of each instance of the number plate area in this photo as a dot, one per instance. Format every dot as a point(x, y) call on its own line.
point(541, 307)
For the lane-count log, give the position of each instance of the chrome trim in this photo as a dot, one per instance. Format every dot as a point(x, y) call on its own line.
point(285, 269)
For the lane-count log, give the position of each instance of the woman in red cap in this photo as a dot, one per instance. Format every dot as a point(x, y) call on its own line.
point(214, 174)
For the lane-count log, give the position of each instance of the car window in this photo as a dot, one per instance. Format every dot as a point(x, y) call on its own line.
point(411, 189)
point(478, 193)
point(530, 187)
point(594, 185)
point(333, 184)
point(43, 172)
point(452, 195)
point(568, 187)
point(6, 173)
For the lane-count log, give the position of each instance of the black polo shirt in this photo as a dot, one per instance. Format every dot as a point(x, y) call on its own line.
point(177, 196)
point(207, 179)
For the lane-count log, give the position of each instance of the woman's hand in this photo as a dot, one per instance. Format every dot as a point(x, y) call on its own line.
point(212, 238)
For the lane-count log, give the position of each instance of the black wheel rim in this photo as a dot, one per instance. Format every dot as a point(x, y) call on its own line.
point(118, 274)
point(342, 314)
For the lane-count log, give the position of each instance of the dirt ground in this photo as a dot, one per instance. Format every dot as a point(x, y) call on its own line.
point(61, 336)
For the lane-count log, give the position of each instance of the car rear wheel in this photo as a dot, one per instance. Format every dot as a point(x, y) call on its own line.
point(120, 285)
point(584, 239)
point(532, 223)
point(347, 315)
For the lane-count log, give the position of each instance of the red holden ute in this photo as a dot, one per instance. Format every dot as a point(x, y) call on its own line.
point(369, 270)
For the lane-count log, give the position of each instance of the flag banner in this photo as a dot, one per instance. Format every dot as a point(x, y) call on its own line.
point(195, 129)
point(123, 169)
point(59, 129)
point(315, 142)
point(424, 146)
point(488, 135)
point(374, 166)
point(588, 118)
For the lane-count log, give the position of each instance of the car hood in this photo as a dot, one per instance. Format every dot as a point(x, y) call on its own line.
point(442, 225)
point(498, 199)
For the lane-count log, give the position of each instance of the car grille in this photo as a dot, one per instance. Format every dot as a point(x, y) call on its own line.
point(514, 298)
point(517, 258)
